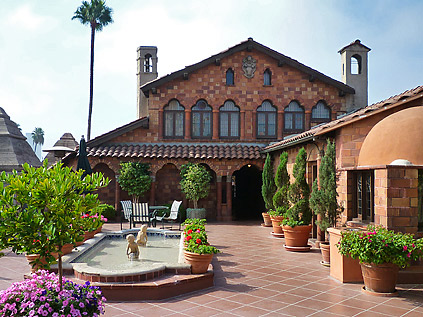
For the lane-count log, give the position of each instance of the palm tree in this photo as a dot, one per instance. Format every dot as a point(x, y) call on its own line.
point(97, 15)
point(37, 137)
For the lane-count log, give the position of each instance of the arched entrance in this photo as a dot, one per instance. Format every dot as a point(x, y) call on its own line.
point(247, 201)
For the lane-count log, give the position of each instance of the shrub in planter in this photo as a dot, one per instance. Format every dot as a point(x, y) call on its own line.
point(134, 178)
point(268, 188)
point(107, 211)
point(41, 296)
point(381, 253)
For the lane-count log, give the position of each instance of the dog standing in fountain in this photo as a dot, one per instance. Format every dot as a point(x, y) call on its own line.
point(132, 250)
point(142, 236)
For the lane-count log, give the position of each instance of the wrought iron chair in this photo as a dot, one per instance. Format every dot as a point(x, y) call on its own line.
point(126, 212)
point(141, 214)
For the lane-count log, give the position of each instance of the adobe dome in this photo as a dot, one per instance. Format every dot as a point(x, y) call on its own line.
point(397, 137)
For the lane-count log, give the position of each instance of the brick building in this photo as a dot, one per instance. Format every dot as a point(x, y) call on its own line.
point(222, 112)
point(379, 161)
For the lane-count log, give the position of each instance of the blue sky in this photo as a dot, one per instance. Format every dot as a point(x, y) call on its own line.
point(44, 55)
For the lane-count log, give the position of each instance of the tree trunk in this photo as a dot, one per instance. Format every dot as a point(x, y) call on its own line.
point(195, 204)
point(90, 107)
point(60, 269)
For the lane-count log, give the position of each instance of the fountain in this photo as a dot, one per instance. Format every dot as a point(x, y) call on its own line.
point(158, 272)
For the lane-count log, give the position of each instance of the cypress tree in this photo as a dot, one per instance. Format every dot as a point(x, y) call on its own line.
point(323, 200)
point(280, 199)
point(299, 194)
point(268, 188)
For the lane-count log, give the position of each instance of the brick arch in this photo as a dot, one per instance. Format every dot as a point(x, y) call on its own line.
point(157, 166)
point(106, 194)
point(167, 186)
point(111, 165)
point(240, 165)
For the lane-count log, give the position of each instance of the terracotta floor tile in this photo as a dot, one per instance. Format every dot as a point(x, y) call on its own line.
point(244, 299)
point(389, 310)
point(295, 310)
point(287, 298)
point(246, 311)
point(223, 305)
point(343, 310)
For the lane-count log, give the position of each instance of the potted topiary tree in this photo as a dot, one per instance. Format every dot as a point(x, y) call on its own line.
point(134, 178)
point(195, 184)
point(323, 198)
point(268, 189)
point(280, 198)
point(296, 225)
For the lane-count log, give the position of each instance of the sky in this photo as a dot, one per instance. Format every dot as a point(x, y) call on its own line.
point(45, 56)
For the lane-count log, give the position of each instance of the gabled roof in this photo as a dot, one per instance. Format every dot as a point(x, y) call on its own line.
point(14, 150)
point(139, 123)
point(360, 114)
point(356, 42)
point(249, 45)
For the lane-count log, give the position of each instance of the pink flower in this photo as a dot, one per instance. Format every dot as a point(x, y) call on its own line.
point(405, 248)
point(408, 255)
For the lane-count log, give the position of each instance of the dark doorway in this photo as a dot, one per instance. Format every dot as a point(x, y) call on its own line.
point(247, 201)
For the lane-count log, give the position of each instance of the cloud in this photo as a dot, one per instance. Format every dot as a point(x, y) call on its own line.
point(25, 18)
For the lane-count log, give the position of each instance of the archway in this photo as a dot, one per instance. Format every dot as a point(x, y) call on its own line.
point(106, 194)
point(247, 201)
point(167, 185)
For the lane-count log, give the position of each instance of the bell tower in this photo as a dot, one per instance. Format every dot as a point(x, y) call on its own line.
point(146, 72)
point(355, 73)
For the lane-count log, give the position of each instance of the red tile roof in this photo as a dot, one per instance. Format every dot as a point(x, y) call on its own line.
point(184, 151)
point(360, 114)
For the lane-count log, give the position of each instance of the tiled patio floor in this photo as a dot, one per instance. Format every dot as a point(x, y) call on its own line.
point(255, 276)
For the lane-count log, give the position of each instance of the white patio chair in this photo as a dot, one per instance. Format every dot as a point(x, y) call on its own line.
point(127, 211)
point(174, 215)
point(141, 214)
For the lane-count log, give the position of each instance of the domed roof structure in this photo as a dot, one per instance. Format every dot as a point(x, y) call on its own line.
point(397, 137)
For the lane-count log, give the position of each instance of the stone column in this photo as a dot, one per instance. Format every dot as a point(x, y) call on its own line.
point(280, 125)
point(160, 120)
point(228, 215)
point(219, 197)
point(215, 124)
point(320, 233)
point(188, 124)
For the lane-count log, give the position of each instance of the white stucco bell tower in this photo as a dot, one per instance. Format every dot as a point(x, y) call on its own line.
point(354, 59)
point(146, 72)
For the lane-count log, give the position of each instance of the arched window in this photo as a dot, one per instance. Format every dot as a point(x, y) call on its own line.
point(266, 120)
point(229, 77)
point(267, 77)
point(174, 115)
point(201, 120)
point(148, 64)
point(229, 120)
point(356, 64)
point(294, 117)
point(320, 112)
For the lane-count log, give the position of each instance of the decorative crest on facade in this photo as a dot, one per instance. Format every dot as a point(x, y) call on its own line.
point(249, 66)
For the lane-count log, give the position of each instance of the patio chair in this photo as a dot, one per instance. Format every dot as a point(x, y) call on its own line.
point(141, 214)
point(126, 212)
point(174, 215)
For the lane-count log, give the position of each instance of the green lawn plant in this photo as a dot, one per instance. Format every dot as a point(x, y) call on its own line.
point(41, 208)
point(280, 198)
point(323, 198)
point(195, 182)
point(378, 245)
point(299, 213)
point(196, 237)
point(268, 187)
point(134, 178)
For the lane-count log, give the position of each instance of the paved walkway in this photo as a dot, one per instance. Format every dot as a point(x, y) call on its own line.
point(255, 276)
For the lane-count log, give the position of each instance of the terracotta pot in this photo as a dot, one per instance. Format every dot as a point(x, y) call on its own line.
point(325, 250)
point(276, 220)
point(89, 235)
point(380, 278)
point(31, 258)
point(266, 219)
point(67, 248)
point(98, 230)
point(199, 262)
point(296, 236)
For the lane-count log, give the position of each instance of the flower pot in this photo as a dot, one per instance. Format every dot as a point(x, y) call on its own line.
point(380, 278)
point(276, 220)
point(98, 230)
point(199, 262)
point(296, 236)
point(89, 235)
point(325, 250)
point(266, 219)
point(31, 258)
point(199, 213)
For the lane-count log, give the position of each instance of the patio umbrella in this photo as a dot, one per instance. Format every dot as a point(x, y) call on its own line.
point(83, 162)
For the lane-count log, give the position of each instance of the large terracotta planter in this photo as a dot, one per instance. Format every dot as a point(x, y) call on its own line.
point(325, 251)
point(276, 220)
point(380, 278)
point(199, 262)
point(31, 258)
point(89, 235)
point(296, 236)
point(98, 230)
point(266, 219)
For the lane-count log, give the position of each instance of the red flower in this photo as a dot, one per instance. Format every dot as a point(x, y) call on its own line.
point(198, 240)
point(405, 248)
point(188, 238)
point(189, 231)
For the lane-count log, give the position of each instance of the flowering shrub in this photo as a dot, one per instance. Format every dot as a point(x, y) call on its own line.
point(378, 245)
point(92, 222)
point(41, 296)
point(196, 237)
